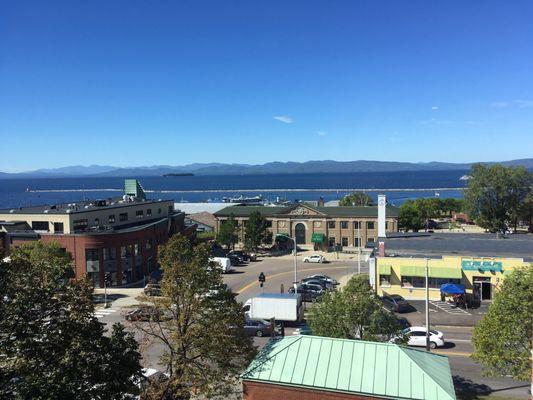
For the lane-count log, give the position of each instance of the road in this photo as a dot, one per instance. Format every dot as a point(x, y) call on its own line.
point(280, 271)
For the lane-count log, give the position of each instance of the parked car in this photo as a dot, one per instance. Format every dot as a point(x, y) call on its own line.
point(404, 323)
point(303, 330)
point(395, 302)
point(417, 337)
point(144, 314)
point(324, 278)
point(309, 292)
point(315, 258)
point(152, 289)
point(244, 255)
point(235, 259)
point(253, 327)
point(323, 284)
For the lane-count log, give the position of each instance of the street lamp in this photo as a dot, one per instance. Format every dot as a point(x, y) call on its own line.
point(427, 304)
point(295, 282)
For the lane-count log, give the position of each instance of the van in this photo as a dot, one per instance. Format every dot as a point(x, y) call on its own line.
point(224, 262)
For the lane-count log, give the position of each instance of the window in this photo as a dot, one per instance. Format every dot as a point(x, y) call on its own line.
point(123, 217)
point(357, 225)
point(149, 212)
point(159, 211)
point(137, 249)
point(111, 219)
point(125, 251)
point(420, 282)
point(139, 214)
point(80, 224)
point(96, 222)
point(384, 280)
point(149, 244)
point(370, 225)
point(170, 209)
point(344, 241)
point(40, 225)
point(370, 240)
point(356, 242)
point(58, 227)
point(331, 224)
point(92, 258)
point(110, 253)
point(331, 242)
point(386, 225)
point(344, 224)
point(268, 224)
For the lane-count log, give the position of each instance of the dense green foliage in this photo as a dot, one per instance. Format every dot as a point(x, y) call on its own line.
point(51, 344)
point(354, 312)
point(201, 328)
point(414, 214)
point(502, 339)
point(228, 233)
point(496, 195)
point(255, 231)
point(356, 199)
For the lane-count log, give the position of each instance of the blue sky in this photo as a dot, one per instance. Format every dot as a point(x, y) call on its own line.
point(131, 83)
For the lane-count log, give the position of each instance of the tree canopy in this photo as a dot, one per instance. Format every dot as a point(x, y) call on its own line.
point(51, 344)
point(228, 232)
point(415, 214)
point(356, 199)
point(255, 230)
point(354, 312)
point(496, 194)
point(199, 324)
point(502, 339)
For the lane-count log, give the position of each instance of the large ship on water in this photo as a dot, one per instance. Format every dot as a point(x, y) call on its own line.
point(255, 200)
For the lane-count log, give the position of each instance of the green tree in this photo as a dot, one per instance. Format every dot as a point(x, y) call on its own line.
point(356, 199)
point(495, 194)
point(502, 339)
point(354, 312)
point(228, 233)
point(525, 212)
point(51, 344)
point(256, 232)
point(410, 217)
point(199, 325)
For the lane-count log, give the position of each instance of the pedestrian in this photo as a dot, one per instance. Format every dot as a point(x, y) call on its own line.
point(282, 330)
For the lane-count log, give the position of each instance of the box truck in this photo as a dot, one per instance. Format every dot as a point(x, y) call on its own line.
point(224, 262)
point(286, 307)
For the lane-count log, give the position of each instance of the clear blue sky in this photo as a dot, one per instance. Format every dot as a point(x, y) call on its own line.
point(132, 83)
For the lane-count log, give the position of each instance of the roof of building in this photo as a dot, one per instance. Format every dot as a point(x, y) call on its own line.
point(193, 208)
point(204, 218)
point(340, 211)
point(353, 366)
point(469, 244)
point(79, 206)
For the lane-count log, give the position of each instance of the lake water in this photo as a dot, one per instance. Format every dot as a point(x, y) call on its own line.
point(398, 186)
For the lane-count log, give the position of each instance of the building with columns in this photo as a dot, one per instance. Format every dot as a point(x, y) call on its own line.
point(316, 227)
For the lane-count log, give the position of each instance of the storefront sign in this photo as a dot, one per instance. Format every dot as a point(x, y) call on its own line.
point(473, 265)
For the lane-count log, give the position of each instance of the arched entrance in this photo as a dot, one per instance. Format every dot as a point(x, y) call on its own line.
point(299, 232)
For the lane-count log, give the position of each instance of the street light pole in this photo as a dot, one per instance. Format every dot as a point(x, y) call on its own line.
point(295, 268)
point(427, 304)
point(359, 247)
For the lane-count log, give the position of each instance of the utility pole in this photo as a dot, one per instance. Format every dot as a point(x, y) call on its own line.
point(427, 304)
point(295, 267)
point(359, 247)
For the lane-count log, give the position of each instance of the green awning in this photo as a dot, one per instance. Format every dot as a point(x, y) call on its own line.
point(434, 272)
point(412, 270)
point(318, 238)
point(384, 269)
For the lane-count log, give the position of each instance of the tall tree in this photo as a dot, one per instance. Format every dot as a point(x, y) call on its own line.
point(354, 312)
point(495, 194)
point(228, 232)
point(502, 339)
point(410, 217)
point(255, 230)
point(356, 199)
point(51, 344)
point(199, 324)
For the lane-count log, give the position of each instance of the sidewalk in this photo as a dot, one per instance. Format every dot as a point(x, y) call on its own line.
point(120, 297)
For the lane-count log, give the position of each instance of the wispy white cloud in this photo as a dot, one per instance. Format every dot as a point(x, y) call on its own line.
point(513, 103)
point(434, 108)
point(283, 118)
point(435, 121)
point(321, 133)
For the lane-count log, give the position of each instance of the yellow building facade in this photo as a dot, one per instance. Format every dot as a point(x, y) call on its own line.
point(407, 276)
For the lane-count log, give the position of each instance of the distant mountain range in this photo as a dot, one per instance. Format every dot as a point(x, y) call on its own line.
point(309, 167)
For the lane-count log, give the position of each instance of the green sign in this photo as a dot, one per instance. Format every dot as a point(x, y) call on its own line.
point(318, 238)
point(472, 265)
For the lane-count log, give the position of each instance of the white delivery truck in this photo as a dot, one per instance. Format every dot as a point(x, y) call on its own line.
point(287, 307)
point(224, 262)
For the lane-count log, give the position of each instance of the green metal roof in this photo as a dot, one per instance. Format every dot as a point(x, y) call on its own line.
point(340, 211)
point(353, 366)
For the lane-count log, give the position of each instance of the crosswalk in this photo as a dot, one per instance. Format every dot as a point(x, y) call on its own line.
point(449, 308)
point(102, 312)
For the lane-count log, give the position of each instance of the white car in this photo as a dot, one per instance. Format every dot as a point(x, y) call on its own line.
point(417, 337)
point(315, 258)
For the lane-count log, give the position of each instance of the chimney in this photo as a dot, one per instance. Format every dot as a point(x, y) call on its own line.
point(321, 202)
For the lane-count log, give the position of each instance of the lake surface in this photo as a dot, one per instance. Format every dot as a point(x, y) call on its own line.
point(398, 186)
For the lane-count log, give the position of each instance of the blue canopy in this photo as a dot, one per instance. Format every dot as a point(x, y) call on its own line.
point(452, 288)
